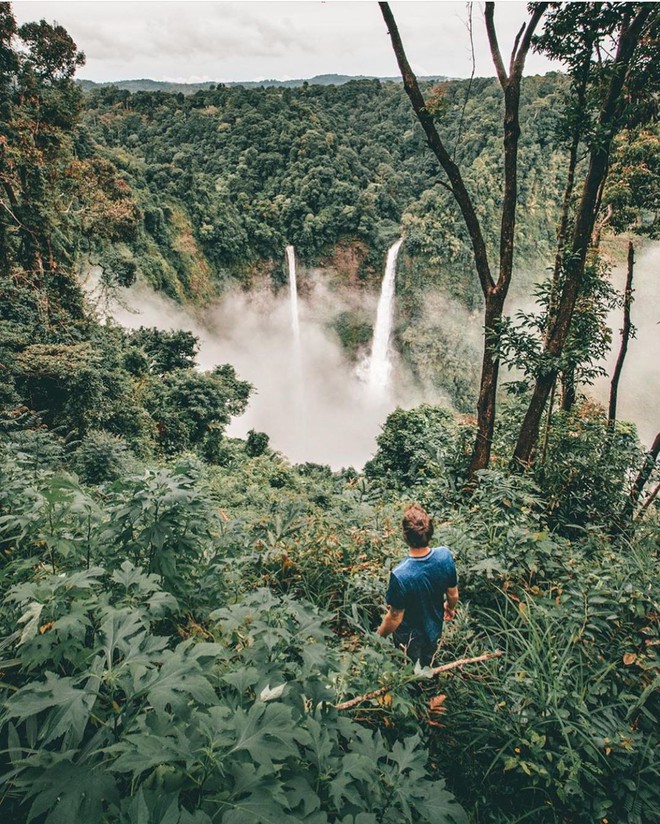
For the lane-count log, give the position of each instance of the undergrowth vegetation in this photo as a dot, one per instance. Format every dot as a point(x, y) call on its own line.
point(176, 642)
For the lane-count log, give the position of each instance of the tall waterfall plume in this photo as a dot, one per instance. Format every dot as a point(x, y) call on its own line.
point(299, 409)
point(293, 296)
point(380, 364)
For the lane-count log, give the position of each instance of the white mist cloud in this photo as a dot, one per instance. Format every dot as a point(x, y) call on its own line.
point(311, 404)
point(315, 408)
point(639, 387)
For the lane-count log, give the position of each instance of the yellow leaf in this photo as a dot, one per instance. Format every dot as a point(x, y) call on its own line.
point(629, 658)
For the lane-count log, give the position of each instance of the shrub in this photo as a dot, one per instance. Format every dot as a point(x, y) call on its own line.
point(101, 457)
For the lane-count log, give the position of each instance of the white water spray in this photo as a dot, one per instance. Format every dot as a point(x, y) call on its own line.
point(299, 412)
point(380, 364)
point(293, 297)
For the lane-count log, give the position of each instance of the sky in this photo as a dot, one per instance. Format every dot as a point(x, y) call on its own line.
point(233, 41)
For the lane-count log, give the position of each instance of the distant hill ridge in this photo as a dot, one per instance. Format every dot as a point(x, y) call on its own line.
point(146, 85)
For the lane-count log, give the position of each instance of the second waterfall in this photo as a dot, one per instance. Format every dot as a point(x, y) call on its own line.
point(380, 365)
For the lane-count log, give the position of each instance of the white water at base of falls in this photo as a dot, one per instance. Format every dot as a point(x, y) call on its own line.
point(380, 365)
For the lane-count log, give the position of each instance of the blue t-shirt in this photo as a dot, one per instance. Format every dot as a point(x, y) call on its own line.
point(418, 586)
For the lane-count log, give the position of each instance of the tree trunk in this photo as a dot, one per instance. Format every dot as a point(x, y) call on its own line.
point(568, 390)
point(640, 480)
point(584, 225)
point(494, 293)
point(625, 337)
point(486, 404)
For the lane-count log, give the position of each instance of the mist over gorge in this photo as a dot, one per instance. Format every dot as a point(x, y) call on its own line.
point(315, 403)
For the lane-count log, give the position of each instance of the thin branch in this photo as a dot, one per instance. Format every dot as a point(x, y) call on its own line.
point(515, 49)
point(640, 481)
point(437, 146)
point(367, 696)
point(520, 53)
point(444, 185)
point(648, 501)
point(459, 134)
point(494, 45)
point(625, 337)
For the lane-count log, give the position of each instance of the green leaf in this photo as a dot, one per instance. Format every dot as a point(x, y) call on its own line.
point(266, 731)
point(139, 811)
point(68, 791)
point(259, 807)
point(181, 678)
point(14, 749)
point(440, 806)
point(141, 751)
point(72, 706)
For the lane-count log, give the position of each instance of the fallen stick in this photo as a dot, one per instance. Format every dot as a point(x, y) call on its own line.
point(347, 705)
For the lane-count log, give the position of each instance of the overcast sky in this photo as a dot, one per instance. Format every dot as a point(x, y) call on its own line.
point(224, 41)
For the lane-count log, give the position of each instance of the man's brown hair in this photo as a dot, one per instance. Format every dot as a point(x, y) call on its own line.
point(417, 527)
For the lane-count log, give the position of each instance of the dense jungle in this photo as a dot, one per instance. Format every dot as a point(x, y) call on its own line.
point(187, 625)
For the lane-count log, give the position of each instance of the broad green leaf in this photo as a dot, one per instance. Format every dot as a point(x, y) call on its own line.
point(266, 731)
point(14, 749)
point(140, 752)
point(72, 706)
point(70, 792)
point(181, 678)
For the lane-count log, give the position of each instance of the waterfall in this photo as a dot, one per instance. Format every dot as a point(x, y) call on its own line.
point(293, 297)
point(379, 363)
point(298, 413)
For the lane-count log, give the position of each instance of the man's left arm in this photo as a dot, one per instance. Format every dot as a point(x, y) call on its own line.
point(451, 600)
point(390, 622)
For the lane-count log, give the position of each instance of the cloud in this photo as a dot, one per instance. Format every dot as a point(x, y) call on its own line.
point(246, 41)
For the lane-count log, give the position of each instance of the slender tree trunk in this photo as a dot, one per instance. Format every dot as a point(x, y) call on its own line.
point(640, 481)
point(494, 292)
point(649, 501)
point(585, 220)
point(548, 423)
point(568, 389)
point(486, 405)
point(563, 231)
point(625, 337)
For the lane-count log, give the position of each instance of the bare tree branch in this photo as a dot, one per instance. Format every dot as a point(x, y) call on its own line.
point(518, 64)
point(367, 696)
point(437, 146)
point(515, 49)
point(494, 45)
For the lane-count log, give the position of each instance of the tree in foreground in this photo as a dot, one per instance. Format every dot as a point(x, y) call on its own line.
point(494, 289)
point(608, 50)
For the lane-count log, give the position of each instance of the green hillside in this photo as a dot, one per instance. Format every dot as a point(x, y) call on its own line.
point(255, 169)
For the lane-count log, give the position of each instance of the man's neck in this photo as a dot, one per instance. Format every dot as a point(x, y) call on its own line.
point(419, 552)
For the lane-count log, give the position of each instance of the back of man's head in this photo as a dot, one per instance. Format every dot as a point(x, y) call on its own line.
point(417, 527)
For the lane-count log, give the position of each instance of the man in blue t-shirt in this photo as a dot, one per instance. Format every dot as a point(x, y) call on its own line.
point(416, 605)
